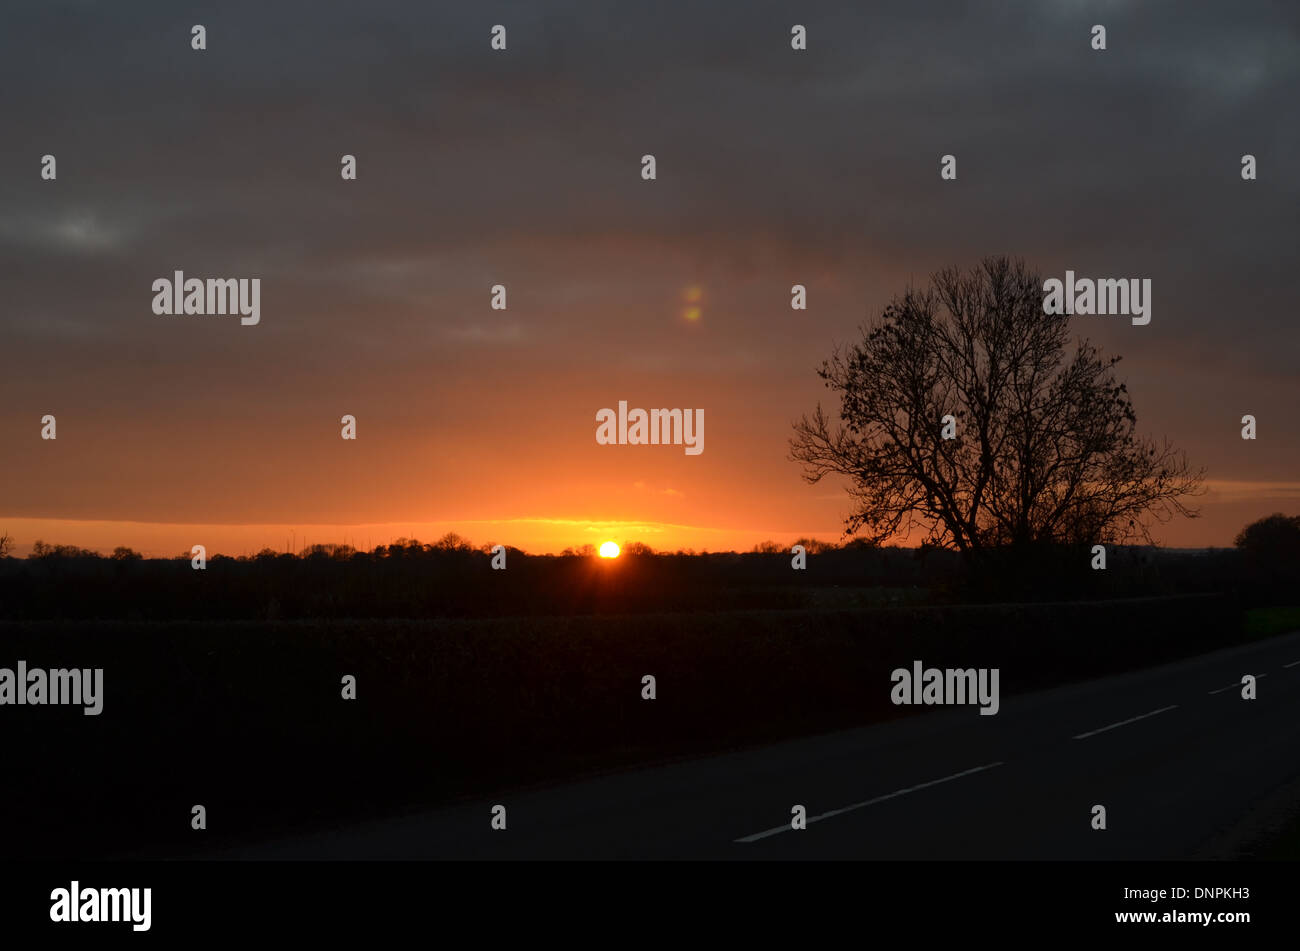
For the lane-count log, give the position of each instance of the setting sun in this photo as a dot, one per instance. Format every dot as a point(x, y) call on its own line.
point(608, 550)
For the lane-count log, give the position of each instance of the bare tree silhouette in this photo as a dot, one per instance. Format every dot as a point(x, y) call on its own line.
point(1045, 449)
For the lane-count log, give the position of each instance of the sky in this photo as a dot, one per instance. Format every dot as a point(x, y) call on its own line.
point(523, 168)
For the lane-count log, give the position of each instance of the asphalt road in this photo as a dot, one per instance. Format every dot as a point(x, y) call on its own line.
point(1174, 754)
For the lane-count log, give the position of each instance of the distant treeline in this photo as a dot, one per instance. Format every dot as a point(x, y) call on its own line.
point(452, 578)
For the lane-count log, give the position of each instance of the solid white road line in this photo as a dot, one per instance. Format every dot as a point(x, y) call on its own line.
point(870, 802)
point(1084, 736)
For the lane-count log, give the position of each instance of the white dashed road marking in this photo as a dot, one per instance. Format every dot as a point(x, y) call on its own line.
point(1231, 686)
point(1084, 736)
point(870, 802)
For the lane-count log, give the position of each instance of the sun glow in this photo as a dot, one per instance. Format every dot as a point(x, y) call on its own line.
point(608, 550)
point(692, 301)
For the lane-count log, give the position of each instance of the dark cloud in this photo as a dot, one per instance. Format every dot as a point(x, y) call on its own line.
point(523, 168)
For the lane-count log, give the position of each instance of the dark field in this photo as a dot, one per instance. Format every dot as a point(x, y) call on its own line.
point(246, 717)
